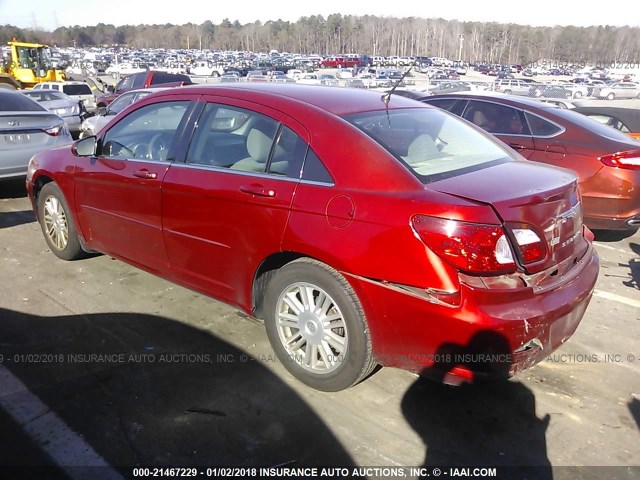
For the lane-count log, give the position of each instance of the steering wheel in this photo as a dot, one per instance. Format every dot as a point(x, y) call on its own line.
point(159, 146)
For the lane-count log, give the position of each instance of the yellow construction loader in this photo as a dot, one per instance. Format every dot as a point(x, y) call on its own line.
point(26, 65)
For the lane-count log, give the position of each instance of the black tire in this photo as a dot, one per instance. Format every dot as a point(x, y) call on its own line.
point(507, 92)
point(333, 370)
point(57, 225)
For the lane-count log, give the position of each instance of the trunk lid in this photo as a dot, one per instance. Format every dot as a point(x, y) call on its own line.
point(26, 129)
point(543, 198)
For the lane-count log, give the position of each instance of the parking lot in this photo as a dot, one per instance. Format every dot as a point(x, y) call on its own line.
point(103, 364)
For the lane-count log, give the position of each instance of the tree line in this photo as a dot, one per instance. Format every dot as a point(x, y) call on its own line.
point(470, 41)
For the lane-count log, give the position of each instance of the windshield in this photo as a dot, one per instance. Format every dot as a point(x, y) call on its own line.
point(77, 89)
point(430, 142)
point(35, 58)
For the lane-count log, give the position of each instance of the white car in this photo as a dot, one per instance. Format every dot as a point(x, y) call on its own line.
point(617, 90)
point(309, 79)
point(79, 91)
point(207, 69)
point(124, 68)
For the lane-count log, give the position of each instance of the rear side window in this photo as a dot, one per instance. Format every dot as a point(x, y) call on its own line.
point(79, 89)
point(314, 170)
point(541, 127)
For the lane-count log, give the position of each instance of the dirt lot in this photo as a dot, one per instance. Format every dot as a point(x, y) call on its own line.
point(103, 364)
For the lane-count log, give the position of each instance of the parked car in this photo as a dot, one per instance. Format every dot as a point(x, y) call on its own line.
point(548, 91)
point(205, 68)
point(605, 160)
point(144, 79)
point(81, 91)
point(26, 128)
point(512, 86)
point(448, 87)
point(67, 108)
point(92, 125)
point(627, 120)
point(617, 90)
point(229, 77)
point(406, 255)
point(125, 68)
point(558, 102)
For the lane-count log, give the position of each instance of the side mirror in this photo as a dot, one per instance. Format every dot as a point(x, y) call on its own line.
point(111, 88)
point(101, 111)
point(85, 147)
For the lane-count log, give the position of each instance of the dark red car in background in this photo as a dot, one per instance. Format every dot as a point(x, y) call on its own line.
point(606, 160)
point(143, 80)
point(363, 230)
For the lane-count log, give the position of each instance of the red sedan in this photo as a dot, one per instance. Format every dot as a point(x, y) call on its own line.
point(363, 230)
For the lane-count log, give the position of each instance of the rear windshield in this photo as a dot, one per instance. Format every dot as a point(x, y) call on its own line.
point(77, 89)
point(432, 143)
point(17, 102)
point(593, 125)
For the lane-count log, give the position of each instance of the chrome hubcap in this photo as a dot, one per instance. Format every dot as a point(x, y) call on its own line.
point(311, 328)
point(55, 223)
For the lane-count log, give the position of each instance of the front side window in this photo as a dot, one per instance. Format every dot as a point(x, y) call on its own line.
point(146, 133)
point(430, 142)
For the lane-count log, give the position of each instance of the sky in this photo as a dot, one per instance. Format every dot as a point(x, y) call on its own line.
point(51, 14)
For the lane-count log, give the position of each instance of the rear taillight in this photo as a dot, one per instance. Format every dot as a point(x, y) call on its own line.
point(479, 248)
point(629, 160)
point(473, 248)
point(54, 131)
point(532, 247)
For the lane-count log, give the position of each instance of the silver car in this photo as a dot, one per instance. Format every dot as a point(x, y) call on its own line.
point(61, 104)
point(92, 125)
point(617, 90)
point(26, 128)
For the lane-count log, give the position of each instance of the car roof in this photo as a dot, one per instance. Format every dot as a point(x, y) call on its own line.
point(338, 101)
point(504, 99)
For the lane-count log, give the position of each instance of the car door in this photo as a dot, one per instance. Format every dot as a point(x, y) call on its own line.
point(118, 192)
point(505, 122)
point(226, 207)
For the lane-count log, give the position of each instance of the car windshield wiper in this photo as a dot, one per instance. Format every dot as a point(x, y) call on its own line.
point(387, 96)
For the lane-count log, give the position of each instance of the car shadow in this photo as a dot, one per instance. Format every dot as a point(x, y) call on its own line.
point(13, 219)
point(13, 188)
point(484, 424)
point(147, 390)
point(613, 235)
point(634, 408)
point(634, 267)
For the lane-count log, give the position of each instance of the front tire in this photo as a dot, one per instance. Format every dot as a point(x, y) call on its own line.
point(611, 96)
point(317, 327)
point(57, 224)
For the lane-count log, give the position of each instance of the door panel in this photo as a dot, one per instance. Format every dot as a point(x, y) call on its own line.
point(226, 208)
point(118, 193)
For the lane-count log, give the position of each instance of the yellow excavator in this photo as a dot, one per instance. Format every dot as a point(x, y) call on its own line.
point(26, 65)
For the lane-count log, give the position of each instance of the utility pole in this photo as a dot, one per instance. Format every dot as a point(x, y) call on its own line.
point(461, 36)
